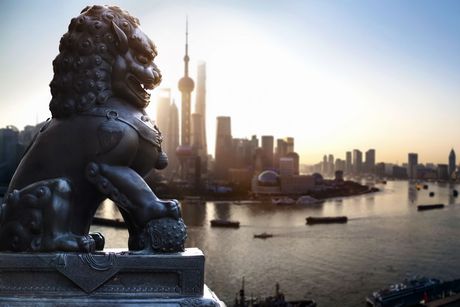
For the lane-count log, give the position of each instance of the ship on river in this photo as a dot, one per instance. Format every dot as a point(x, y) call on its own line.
point(225, 223)
point(278, 300)
point(416, 291)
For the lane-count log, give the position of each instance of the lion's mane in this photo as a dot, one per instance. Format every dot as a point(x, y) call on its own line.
point(83, 68)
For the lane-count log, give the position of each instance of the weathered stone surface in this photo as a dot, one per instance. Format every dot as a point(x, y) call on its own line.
point(110, 278)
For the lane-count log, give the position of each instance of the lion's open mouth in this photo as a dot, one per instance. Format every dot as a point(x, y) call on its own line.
point(139, 88)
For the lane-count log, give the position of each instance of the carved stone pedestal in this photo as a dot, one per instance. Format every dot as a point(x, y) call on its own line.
point(110, 278)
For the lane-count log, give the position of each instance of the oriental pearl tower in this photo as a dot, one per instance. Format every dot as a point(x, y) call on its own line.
point(185, 152)
point(186, 86)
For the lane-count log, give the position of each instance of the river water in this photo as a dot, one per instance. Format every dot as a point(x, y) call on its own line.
point(385, 240)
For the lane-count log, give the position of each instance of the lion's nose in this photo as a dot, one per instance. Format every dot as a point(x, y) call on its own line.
point(157, 75)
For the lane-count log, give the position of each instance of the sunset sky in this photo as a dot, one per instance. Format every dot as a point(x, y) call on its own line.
point(335, 75)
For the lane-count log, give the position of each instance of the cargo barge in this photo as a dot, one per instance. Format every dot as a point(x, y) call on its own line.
point(326, 220)
point(225, 223)
point(430, 207)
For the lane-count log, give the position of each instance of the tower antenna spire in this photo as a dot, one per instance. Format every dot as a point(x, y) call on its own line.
point(186, 57)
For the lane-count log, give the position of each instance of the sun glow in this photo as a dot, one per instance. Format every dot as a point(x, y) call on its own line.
point(285, 72)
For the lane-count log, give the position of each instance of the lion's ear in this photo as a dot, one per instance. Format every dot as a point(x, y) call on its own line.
point(122, 42)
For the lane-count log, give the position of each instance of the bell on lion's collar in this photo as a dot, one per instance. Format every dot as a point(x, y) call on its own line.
point(162, 161)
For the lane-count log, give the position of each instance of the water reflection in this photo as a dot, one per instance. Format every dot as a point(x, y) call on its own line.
point(222, 210)
point(194, 214)
point(412, 193)
point(385, 239)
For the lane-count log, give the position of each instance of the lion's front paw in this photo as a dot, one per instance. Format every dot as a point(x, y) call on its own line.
point(173, 208)
point(165, 235)
point(86, 244)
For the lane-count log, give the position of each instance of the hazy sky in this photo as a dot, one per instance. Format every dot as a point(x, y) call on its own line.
point(335, 75)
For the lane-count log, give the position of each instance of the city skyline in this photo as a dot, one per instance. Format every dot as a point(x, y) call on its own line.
point(333, 76)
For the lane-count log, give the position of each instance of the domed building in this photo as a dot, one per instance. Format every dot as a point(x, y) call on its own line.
point(266, 183)
point(268, 179)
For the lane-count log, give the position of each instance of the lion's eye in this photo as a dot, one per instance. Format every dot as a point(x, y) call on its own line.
point(142, 59)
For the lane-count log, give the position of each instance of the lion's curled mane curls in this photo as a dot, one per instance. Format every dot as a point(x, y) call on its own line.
point(83, 68)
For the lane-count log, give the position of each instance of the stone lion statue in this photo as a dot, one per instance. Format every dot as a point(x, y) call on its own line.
point(98, 144)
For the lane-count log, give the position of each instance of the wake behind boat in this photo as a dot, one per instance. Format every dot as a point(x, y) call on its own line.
point(263, 235)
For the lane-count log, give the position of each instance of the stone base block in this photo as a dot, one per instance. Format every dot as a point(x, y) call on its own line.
point(109, 278)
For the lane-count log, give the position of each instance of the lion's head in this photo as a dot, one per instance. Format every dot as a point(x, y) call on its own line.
point(103, 54)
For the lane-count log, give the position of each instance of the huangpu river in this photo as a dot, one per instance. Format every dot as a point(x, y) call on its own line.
point(385, 240)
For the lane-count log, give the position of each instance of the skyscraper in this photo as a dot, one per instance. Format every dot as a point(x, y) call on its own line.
point(173, 137)
point(290, 144)
point(196, 133)
point(339, 165)
point(452, 162)
point(443, 172)
point(267, 147)
point(412, 165)
point(163, 118)
point(287, 167)
point(200, 106)
point(330, 165)
point(348, 165)
point(324, 166)
point(186, 86)
point(223, 157)
point(295, 157)
point(281, 148)
point(370, 160)
point(254, 145)
point(241, 153)
point(357, 161)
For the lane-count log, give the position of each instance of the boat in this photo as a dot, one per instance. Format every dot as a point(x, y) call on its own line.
point(408, 293)
point(429, 207)
point(307, 200)
point(263, 235)
point(225, 223)
point(326, 220)
point(278, 300)
point(283, 200)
